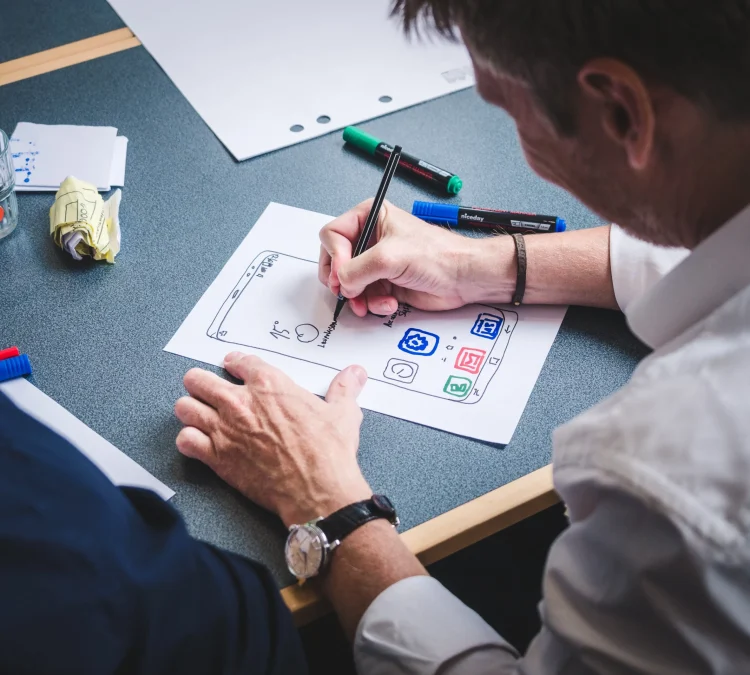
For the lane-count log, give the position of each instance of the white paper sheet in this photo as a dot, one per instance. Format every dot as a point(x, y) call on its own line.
point(45, 155)
point(119, 159)
point(116, 465)
point(468, 371)
point(254, 69)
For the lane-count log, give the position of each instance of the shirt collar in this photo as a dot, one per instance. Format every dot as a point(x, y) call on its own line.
point(717, 269)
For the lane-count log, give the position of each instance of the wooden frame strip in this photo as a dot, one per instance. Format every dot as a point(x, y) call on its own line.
point(450, 532)
point(67, 55)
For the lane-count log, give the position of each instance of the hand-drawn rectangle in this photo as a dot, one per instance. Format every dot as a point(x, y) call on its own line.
point(301, 328)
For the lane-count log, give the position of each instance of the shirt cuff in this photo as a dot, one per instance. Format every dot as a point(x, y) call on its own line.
point(637, 265)
point(416, 626)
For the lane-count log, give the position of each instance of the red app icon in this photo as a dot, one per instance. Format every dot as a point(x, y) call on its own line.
point(470, 360)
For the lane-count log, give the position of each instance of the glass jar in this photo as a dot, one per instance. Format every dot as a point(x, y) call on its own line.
point(8, 202)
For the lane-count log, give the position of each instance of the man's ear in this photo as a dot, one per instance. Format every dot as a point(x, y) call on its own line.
point(627, 109)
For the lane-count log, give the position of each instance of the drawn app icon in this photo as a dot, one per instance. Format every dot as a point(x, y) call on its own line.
point(487, 326)
point(457, 386)
point(399, 370)
point(470, 360)
point(418, 342)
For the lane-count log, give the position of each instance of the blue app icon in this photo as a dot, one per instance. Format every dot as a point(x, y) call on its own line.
point(487, 326)
point(418, 342)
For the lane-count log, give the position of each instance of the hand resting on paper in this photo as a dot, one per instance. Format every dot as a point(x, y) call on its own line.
point(278, 444)
point(411, 261)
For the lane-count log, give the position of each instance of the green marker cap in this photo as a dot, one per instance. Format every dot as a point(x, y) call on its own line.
point(454, 185)
point(361, 139)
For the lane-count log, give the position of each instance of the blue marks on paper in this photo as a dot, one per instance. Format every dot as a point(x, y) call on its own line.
point(487, 326)
point(24, 160)
point(418, 342)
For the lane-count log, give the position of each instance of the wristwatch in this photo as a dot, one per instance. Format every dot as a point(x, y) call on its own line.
point(309, 546)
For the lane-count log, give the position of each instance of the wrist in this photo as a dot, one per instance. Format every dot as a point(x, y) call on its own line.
point(325, 502)
point(487, 271)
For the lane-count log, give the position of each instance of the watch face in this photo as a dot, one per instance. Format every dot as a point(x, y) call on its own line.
point(305, 550)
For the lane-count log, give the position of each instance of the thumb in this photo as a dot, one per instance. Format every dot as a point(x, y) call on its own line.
point(347, 385)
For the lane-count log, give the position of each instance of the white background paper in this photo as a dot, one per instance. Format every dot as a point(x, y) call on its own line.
point(113, 463)
point(263, 290)
point(253, 68)
point(45, 155)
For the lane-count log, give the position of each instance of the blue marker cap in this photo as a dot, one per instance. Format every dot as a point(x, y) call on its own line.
point(18, 366)
point(561, 225)
point(440, 214)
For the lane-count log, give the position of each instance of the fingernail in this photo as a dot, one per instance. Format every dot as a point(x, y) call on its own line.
point(232, 356)
point(385, 306)
point(360, 374)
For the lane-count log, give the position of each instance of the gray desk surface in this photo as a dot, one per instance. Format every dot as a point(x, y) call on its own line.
point(30, 26)
point(95, 332)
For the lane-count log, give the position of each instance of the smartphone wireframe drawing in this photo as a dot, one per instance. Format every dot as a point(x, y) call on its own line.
point(275, 307)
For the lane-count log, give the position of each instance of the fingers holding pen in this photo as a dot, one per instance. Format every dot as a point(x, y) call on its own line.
point(338, 239)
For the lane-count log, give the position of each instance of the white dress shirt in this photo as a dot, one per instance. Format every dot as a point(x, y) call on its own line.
point(653, 574)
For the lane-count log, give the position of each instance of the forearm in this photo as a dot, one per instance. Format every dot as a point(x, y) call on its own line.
point(567, 268)
point(369, 560)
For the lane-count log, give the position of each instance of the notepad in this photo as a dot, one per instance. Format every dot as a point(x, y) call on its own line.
point(45, 155)
point(469, 371)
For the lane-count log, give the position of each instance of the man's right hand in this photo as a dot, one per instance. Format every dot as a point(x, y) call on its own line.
point(411, 261)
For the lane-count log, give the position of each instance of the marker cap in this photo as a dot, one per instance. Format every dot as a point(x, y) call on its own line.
point(9, 353)
point(560, 225)
point(16, 366)
point(454, 185)
point(361, 139)
point(440, 214)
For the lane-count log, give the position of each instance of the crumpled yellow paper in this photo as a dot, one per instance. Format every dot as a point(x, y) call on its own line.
point(82, 223)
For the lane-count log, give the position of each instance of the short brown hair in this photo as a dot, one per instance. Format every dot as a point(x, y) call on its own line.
point(700, 48)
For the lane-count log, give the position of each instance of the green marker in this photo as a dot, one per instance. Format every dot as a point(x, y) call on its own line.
point(438, 178)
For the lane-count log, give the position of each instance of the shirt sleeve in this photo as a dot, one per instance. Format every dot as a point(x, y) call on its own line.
point(417, 627)
point(615, 601)
point(637, 265)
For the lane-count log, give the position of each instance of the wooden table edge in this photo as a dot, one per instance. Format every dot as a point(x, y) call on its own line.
point(67, 55)
point(450, 532)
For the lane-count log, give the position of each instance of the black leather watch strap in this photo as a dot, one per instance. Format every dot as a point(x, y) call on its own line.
point(343, 522)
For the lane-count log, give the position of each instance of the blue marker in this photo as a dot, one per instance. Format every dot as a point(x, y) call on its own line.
point(511, 221)
point(17, 366)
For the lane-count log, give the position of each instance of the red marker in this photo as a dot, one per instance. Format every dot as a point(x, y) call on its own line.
point(9, 353)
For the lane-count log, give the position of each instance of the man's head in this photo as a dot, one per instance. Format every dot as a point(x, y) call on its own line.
point(641, 108)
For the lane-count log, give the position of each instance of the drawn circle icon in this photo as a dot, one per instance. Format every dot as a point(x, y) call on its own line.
point(306, 332)
point(400, 370)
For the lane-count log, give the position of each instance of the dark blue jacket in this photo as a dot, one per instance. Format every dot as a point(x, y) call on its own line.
point(99, 579)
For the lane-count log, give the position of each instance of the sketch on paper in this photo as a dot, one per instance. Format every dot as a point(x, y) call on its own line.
point(273, 307)
point(468, 371)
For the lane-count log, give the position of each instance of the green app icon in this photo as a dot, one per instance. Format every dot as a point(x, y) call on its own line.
point(457, 386)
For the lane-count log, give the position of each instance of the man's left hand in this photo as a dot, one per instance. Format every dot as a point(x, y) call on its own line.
point(277, 443)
